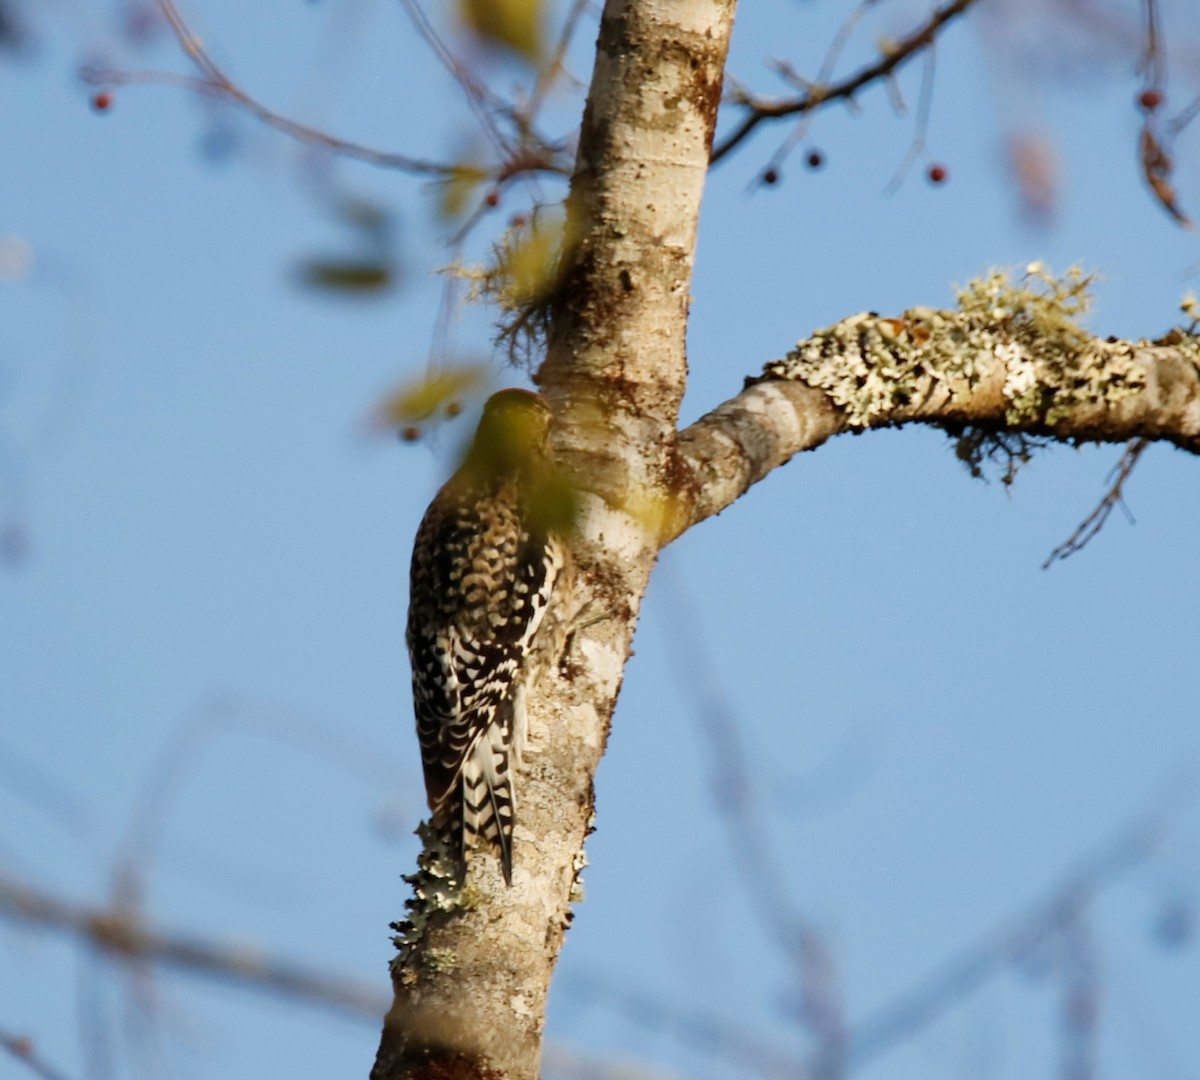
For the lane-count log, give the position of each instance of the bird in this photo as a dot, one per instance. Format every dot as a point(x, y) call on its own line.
point(489, 560)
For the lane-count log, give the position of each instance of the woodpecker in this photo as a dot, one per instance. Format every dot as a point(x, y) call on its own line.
point(488, 559)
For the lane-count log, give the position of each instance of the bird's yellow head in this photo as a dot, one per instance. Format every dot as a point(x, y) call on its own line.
point(512, 444)
point(513, 434)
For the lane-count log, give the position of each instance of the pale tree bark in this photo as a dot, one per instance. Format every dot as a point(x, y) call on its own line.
point(473, 974)
point(471, 985)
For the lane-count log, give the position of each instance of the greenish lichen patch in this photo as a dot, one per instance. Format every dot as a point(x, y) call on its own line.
point(439, 960)
point(1186, 339)
point(872, 367)
point(435, 888)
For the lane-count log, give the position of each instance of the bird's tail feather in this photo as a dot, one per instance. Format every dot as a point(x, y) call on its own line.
point(488, 800)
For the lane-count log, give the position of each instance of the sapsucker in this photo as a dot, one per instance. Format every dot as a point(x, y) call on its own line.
point(488, 560)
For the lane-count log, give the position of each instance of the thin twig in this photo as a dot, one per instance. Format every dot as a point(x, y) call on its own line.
point(215, 83)
point(733, 785)
point(21, 1047)
point(1184, 117)
point(1095, 521)
point(553, 67)
point(1131, 846)
point(924, 107)
point(748, 1049)
point(1154, 58)
point(847, 88)
point(118, 934)
point(483, 103)
point(799, 132)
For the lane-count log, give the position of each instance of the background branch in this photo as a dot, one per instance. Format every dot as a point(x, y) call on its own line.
point(958, 978)
point(214, 82)
point(759, 110)
point(123, 935)
point(22, 1049)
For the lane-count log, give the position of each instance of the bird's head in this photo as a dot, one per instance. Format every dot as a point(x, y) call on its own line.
point(513, 434)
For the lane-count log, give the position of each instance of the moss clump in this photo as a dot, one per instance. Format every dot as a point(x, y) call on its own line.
point(523, 276)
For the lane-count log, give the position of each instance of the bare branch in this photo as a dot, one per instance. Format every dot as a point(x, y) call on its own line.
point(746, 1049)
point(760, 110)
point(213, 82)
point(1058, 911)
point(553, 67)
point(924, 106)
point(483, 104)
point(119, 933)
point(22, 1048)
point(758, 867)
point(1095, 521)
point(1131, 846)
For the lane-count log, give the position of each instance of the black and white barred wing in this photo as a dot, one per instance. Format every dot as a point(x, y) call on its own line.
point(468, 672)
point(465, 725)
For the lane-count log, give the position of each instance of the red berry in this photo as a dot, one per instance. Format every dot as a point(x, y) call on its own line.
point(102, 101)
point(770, 175)
point(1150, 99)
point(517, 221)
point(453, 408)
point(410, 434)
point(937, 174)
point(815, 159)
point(492, 198)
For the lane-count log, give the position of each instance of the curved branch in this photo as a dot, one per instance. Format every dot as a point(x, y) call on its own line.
point(892, 59)
point(1002, 381)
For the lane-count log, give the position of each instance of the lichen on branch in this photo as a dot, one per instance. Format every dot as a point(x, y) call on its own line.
point(875, 369)
point(1005, 372)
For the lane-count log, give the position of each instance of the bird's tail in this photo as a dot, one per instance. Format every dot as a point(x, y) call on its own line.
point(481, 811)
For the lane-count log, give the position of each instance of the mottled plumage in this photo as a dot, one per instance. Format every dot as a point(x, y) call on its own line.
point(484, 568)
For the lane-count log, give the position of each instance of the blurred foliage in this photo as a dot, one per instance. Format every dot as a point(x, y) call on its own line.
point(513, 25)
point(372, 271)
point(439, 393)
point(14, 32)
point(455, 195)
point(364, 215)
point(346, 275)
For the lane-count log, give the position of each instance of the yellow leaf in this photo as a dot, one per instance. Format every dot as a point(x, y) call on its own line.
point(436, 393)
point(511, 24)
point(456, 192)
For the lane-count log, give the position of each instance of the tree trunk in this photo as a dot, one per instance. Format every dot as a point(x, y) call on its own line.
point(472, 978)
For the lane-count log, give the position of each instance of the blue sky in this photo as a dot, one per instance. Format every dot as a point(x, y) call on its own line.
point(216, 549)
